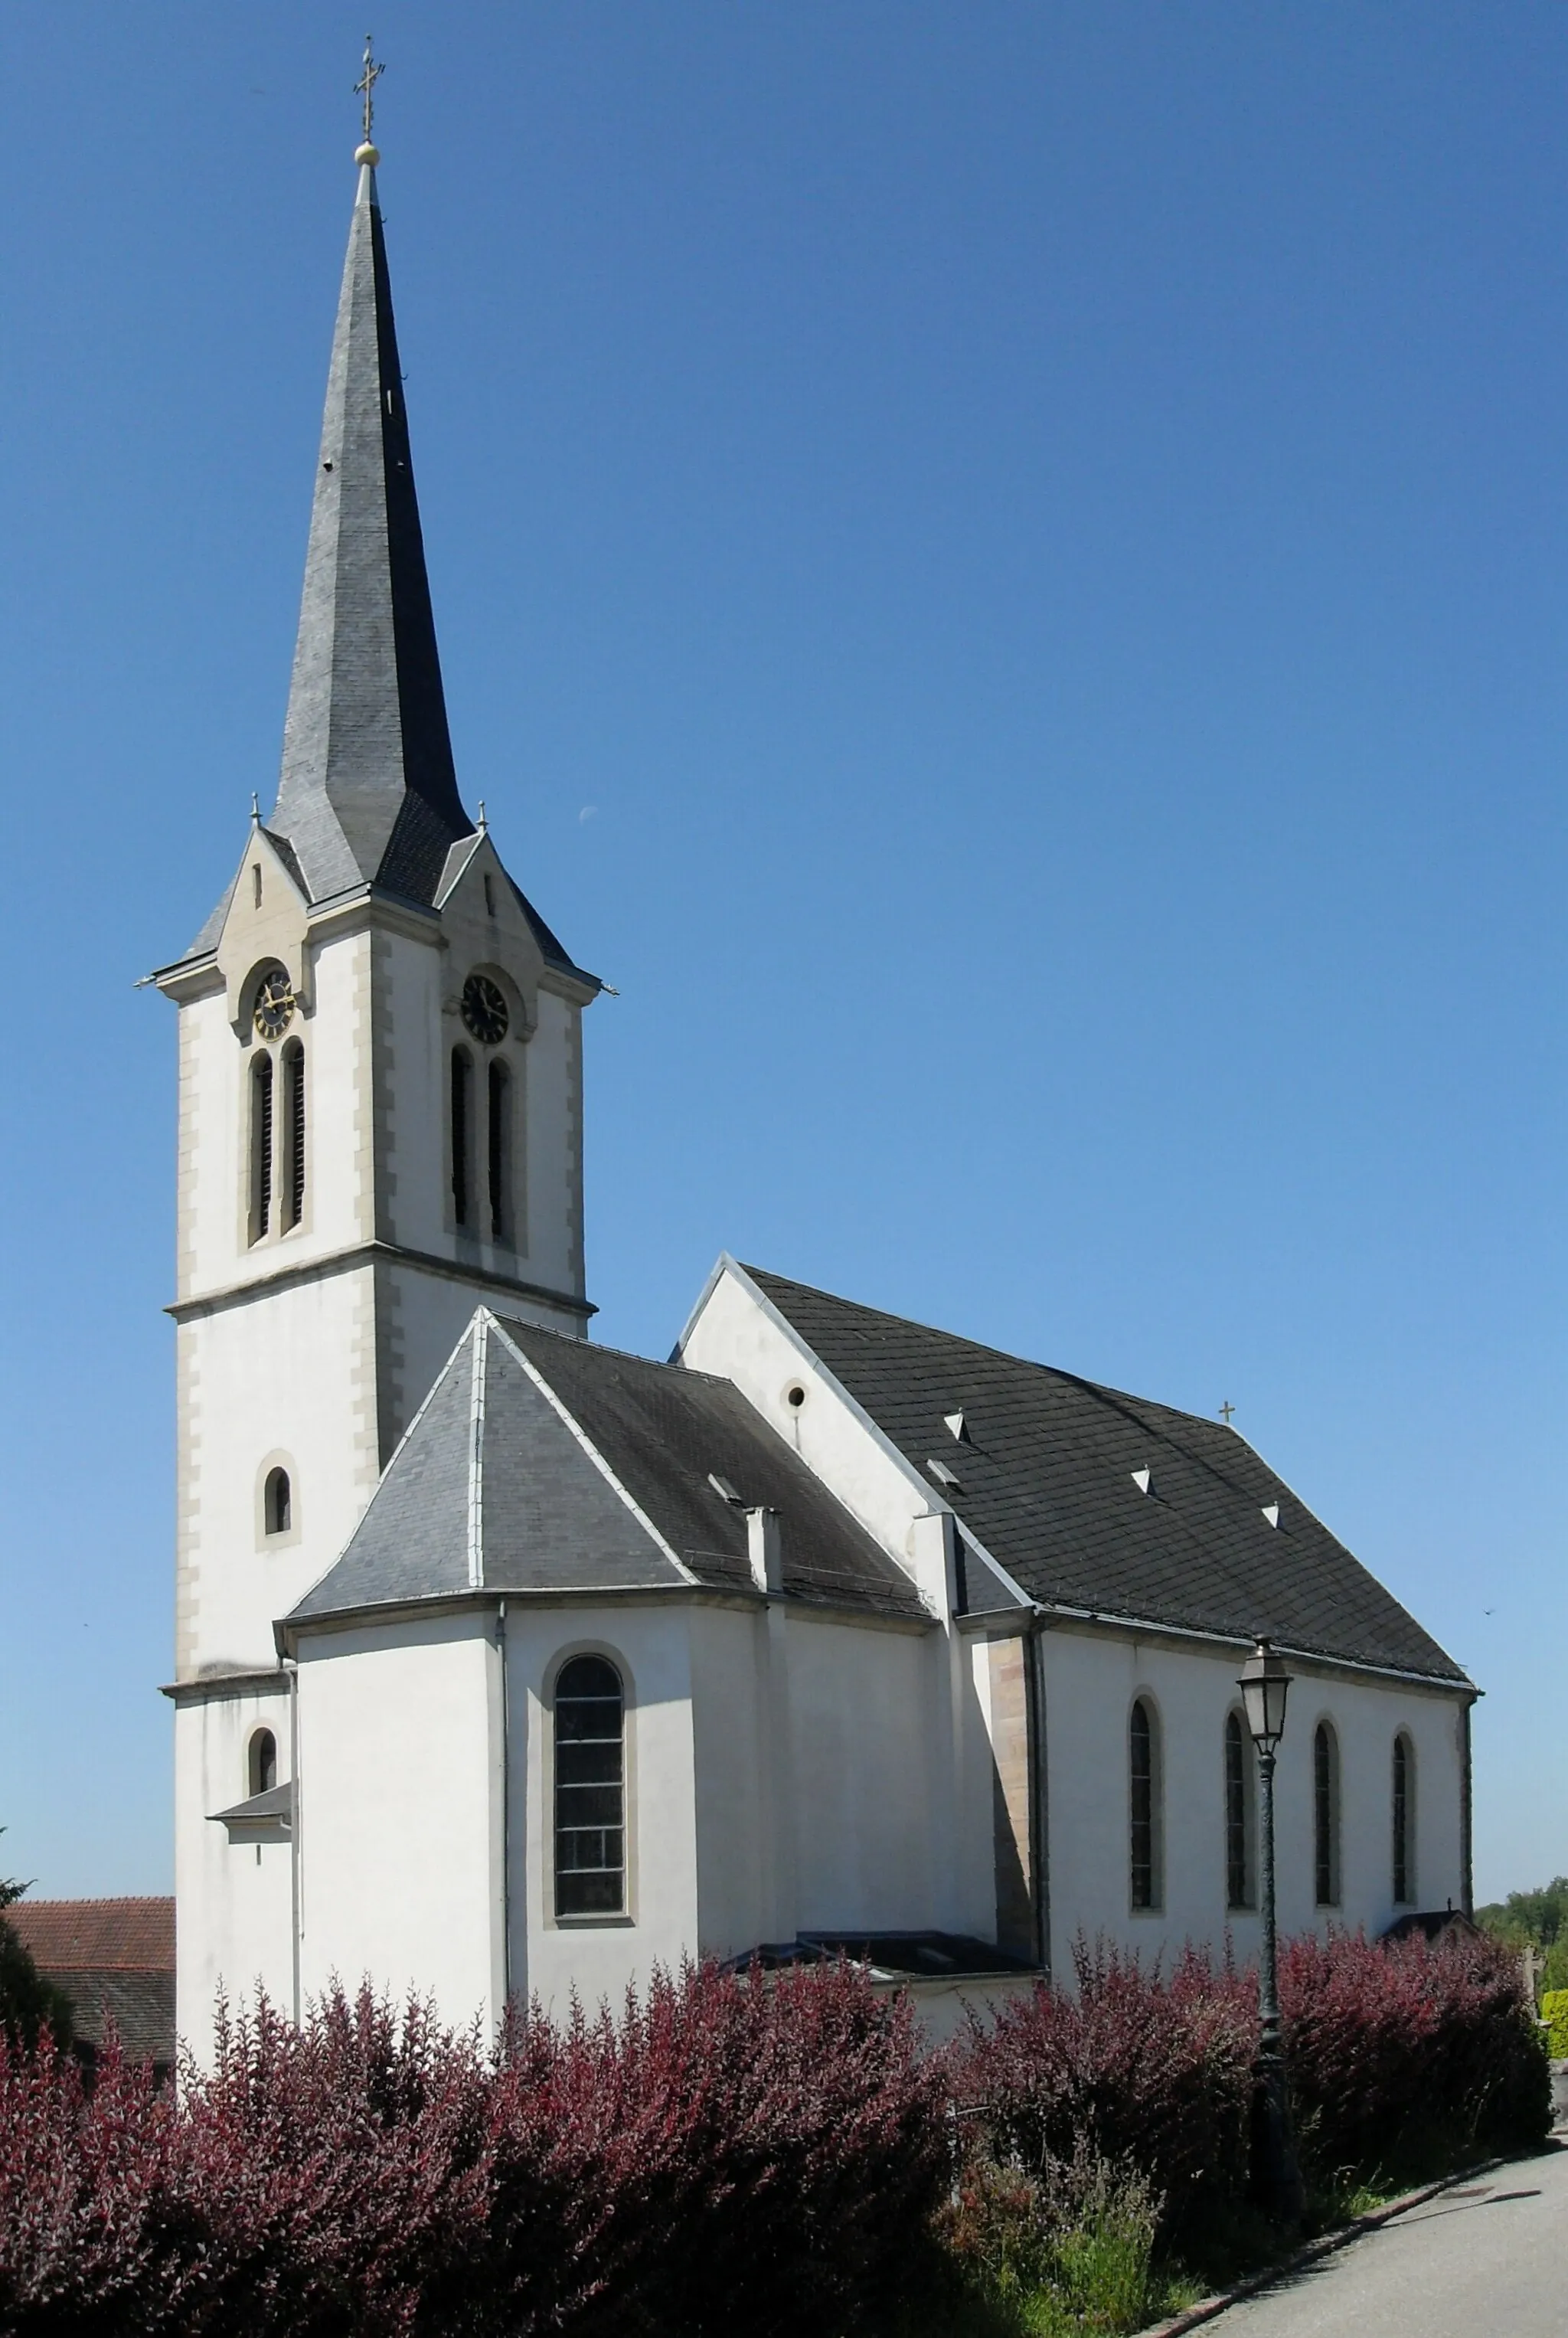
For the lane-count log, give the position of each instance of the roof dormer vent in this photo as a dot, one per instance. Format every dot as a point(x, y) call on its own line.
point(1142, 1479)
point(944, 1477)
point(1271, 1512)
point(957, 1427)
point(725, 1490)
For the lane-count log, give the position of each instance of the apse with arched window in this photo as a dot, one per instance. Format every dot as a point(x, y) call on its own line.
point(278, 1502)
point(1325, 1816)
point(590, 1789)
point(261, 1762)
point(1240, 1854)
point(1143, 1781)
point(1404, 1819)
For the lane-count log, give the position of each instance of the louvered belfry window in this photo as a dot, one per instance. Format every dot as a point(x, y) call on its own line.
point(462, 1133)
point(294, 1110)
point(499, 1134)
point(590, 1789)
point(261, 1148)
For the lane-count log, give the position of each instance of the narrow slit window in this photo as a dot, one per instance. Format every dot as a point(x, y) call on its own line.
point(462, 1133)
point(590, 1789)
point(1143, 1778)
point(294, 1112)
point(1404, 1820)
point(278, 1502)
point(500, 1144)
point(1325, 1816)
point(261, 1148)
point(1240, 1857)
point(261, 1762)
point(256, 884)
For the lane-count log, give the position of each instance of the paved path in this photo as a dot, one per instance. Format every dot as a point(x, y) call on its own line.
point(1485, 2260)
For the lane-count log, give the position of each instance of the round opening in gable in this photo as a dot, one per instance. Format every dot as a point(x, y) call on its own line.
point(795, 1395)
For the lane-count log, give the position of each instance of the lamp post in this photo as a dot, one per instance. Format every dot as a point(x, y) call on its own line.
point(1265, 1683)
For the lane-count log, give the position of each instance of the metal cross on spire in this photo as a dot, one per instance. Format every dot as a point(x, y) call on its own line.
point(365, 88)
point(1226, 1410)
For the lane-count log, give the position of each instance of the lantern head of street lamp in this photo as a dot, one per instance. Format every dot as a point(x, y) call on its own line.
point(1265, 1685)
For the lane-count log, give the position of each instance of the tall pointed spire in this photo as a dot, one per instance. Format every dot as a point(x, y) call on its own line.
point(368, 791)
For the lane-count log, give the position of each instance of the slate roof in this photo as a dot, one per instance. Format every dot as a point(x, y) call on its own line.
point(539, 1463)
point(1047, 1487)
point(367, 794)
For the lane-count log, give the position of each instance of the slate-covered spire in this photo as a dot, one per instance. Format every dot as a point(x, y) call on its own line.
point(367, 790)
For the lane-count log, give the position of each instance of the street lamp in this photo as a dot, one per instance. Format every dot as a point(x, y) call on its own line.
point(1265, 1683)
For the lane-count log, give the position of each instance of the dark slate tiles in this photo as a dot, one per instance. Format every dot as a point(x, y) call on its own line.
point(1049, 1488)
point(412, 1543)
point(552, 1519)
point(665, 1432)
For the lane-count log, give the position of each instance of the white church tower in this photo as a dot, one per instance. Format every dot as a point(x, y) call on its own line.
point(380, 1114)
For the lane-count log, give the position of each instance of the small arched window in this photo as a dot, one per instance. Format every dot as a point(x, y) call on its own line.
point(500, 1146)
point(261, 1147)
point(278, 1502)
point(261, 1762)
point(1143, 1781)
point(1404, 1819)
point(1325, 1816)
point(461, 1134)
point(294, 1133)
point(590, 1789)
point(1240, 1814)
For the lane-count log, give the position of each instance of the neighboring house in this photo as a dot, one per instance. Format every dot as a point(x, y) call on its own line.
point(115, 1960)
point(508, 1664)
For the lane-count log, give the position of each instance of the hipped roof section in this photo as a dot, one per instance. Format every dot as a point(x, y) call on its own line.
point(541, 1464)
point(1107, 1504)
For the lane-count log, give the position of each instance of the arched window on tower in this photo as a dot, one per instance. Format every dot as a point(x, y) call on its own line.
point(1404, 1819)
point(499, 1133)
point(278, 1502)
point(590, 1789)
point(462, 1135)
point(1143, 1783)
point(261, 1762)
point(1325, 1816)
point(1240, 1815)
point(261, 1076)
point(293, 1132)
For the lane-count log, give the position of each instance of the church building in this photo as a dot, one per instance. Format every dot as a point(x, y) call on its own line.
point(506, 1663)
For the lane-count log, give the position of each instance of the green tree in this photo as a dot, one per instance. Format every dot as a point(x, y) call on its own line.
point(1535, 1920)
point(27, 1999)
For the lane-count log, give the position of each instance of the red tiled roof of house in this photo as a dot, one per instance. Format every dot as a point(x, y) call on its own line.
point(97, 1935)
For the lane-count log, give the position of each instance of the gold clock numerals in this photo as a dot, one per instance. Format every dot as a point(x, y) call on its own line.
point(484, 1010)
point(274, 1005)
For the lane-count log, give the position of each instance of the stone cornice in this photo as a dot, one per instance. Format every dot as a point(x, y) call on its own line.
point(370, 1254)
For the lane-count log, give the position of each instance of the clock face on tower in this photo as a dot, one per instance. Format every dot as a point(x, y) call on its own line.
point(274, 1005)
point(484, 1010)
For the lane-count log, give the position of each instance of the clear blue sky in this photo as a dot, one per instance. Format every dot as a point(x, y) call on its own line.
point(1002, 569)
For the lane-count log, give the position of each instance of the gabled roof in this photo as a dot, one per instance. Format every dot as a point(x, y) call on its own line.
point(97, 1935)
point(539, 1463)
point(1050, 1479)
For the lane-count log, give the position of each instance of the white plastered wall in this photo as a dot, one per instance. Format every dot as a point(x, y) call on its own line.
point(399, 1821)
point(1091, 1681)
point(234, 1900)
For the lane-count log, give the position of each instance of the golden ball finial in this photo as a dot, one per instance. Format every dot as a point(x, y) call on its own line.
point(368, 154)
